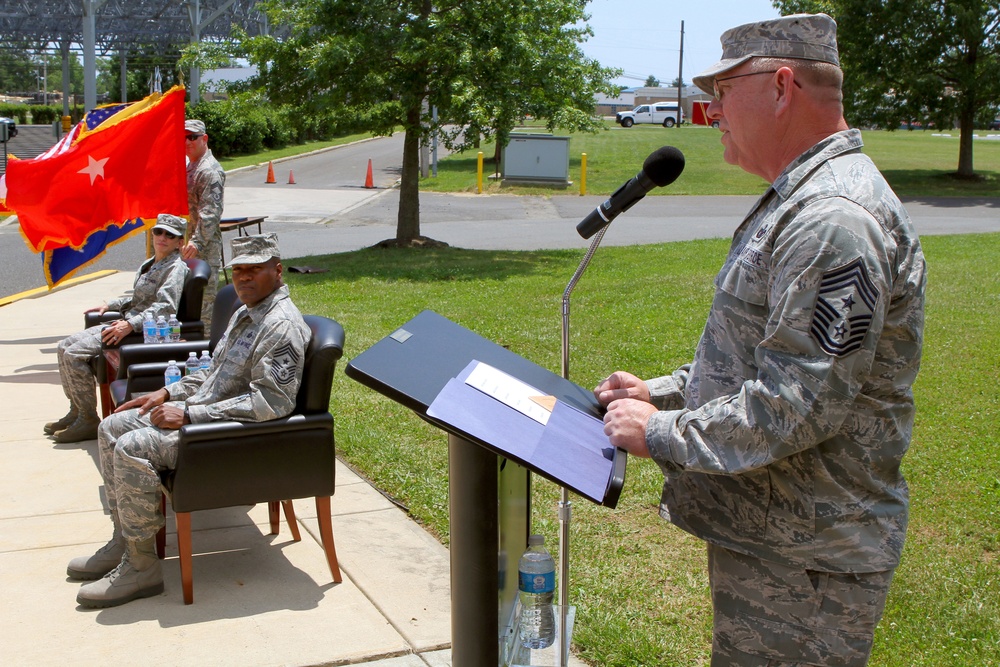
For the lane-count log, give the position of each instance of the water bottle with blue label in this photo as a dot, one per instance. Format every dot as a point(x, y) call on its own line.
point(148, 328)
point(162, 330)
point(536, 575)
point(206, 360)
point(192, 365)
point(172, 374)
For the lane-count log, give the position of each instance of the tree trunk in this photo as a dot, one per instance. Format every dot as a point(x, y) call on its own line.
point(408, 218)
point(966, 123)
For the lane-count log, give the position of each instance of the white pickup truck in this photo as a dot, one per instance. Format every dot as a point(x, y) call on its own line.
point(659, 113)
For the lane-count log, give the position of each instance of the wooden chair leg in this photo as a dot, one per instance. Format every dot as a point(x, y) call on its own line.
point(104, 390)
point(326, 535)
point(184, 554)
point(161, 535)
point(293, 525)
point(272, 515)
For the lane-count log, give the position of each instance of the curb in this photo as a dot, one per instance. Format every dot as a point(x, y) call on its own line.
point(42, 291)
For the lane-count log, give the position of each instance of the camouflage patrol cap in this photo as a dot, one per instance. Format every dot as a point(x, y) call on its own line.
point(255, 249)
point(171, 223)
point(799, 36)
point(194, 126)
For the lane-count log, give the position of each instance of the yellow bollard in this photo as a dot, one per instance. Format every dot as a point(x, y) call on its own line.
point(66, 123)
point(479, 173)
point(583, 174)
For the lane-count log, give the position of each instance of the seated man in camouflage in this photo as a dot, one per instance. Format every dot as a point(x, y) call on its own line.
point(158, 286)
point(254, 376)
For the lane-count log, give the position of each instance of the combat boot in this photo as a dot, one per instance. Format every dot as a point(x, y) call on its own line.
point(63, 422)
point(84, 428)
point(88, 568)
point(138, 575)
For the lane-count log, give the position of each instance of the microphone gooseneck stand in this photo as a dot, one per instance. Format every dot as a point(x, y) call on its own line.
point(565, 506)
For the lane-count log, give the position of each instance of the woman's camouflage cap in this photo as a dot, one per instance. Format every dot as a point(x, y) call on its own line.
point(798, 36)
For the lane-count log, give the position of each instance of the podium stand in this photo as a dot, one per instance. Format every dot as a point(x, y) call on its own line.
point(489, 487)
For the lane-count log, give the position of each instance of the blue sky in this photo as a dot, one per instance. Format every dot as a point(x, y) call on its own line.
point(643, 37)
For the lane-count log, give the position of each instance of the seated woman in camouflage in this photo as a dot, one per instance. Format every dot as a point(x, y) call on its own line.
point(158, 285)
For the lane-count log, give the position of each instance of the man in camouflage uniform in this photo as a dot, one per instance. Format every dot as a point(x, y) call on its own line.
point(206, 182)
point(781, 442)
point(254, 376)
point(158, 286)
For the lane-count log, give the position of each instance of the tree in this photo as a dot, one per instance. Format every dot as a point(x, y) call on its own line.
point(652, 82)
point(924, 60)
point(483, 65)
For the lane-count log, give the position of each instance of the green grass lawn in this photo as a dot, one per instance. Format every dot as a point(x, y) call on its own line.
point(639, 584)
point(915, 163)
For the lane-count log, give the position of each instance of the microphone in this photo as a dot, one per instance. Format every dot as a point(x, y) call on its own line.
point(662, 167)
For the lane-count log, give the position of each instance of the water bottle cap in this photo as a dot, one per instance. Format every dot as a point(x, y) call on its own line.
point(171, 362)
point(536, 540)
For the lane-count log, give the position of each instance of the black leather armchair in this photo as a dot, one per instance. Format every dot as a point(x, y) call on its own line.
point(222, 464)
point(141, 367)
point(188, 312)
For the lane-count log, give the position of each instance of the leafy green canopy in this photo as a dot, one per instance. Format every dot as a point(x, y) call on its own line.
point(482, 66)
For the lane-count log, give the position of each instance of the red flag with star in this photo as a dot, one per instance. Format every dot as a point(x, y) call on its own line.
point(131, 166)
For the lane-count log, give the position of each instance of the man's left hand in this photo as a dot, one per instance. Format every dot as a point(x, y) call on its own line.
point(189, 251)
point(625, 425)
point(167, 416)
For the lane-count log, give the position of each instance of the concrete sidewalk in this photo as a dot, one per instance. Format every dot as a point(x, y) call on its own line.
point(258, 599)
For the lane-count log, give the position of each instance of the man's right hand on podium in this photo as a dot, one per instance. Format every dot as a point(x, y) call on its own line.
point(620, 385)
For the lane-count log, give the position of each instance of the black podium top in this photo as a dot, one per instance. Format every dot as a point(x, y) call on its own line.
point(414, 363)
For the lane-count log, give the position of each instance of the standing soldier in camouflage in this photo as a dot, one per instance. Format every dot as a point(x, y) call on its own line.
point(781, 442)
point(254, 376)
point(206, 182)
point(158, 286)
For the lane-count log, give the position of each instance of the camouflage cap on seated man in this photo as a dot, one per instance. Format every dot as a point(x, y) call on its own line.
point(799, 36)
point(256, 249)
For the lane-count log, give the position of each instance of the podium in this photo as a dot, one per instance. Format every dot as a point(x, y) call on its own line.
point(489, 480)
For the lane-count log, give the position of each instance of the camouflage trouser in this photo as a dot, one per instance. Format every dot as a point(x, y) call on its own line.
point(132, 452)
point(771, 615)
point(73, 355)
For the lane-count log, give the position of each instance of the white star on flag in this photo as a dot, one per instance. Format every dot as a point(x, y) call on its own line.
point(94, 168)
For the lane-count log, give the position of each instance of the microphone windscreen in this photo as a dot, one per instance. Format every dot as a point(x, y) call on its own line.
point(664, 165)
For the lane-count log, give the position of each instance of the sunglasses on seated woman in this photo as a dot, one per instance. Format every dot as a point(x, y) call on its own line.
point(161, 232)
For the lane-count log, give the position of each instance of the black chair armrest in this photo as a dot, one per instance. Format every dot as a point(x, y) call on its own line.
point(130, 355)
point(213, 431)
point(93, 319)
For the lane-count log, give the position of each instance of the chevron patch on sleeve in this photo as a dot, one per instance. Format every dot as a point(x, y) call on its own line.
point(844, 309)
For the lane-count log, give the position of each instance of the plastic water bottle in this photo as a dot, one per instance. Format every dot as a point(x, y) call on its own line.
point(162, 330)
point(148, 328)
point(206, 360)
point(173, 373)
point(175, 328)
point(192, 365)
point(536, 575)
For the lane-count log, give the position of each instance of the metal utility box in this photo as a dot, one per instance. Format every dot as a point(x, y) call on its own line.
point(536, 157)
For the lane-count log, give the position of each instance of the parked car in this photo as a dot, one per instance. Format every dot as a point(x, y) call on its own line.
point(11, 127)
point(661, 113)
point(995, 125)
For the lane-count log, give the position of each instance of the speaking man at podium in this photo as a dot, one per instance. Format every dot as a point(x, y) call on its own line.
point(781, 442)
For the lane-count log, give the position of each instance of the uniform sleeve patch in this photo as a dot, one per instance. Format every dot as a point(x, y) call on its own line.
point(283, 363)
point(844, 309)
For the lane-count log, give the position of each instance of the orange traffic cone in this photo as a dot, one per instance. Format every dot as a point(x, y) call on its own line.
point(369, 182)
point(270, 173)
point(291, 177)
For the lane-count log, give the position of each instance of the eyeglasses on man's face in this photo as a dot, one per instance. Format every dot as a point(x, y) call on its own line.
point(193, 137)
point(161, 232)
point(718, 93)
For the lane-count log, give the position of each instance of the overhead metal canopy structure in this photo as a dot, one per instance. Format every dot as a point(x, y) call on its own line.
point(123, 26)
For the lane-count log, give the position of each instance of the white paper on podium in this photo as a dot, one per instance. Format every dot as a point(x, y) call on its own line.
point(508, 390)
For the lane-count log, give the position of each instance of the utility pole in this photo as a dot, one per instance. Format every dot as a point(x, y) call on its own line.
point(680, 77)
